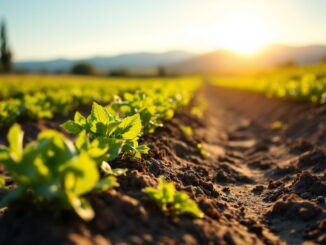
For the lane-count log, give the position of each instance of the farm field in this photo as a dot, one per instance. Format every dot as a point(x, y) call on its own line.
point(162, 122)
point(245, 158)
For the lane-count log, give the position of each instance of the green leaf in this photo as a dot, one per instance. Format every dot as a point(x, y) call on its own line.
point(81, 206)
point(2, 182)
point(106, 168)
point(168, 190)
point(72, 127)
point(106, 183)
point(82, 141)
point(115, 148)
point(186, 130)
point(119, 171)
point(4, 154)
point(183, 205)
point(129, 128)
point(142, 149)
point(170, 200)
point(79, 119)
point(81, 175)
point(15, 139)
point(12, 196)
point(97, 153)
point(201, 150)
point(100, 113)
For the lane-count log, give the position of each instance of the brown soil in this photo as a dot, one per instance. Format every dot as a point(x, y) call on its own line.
point(257, 185)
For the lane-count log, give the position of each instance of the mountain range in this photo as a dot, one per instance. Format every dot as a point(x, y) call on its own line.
point(273, 55)
point(140, 60)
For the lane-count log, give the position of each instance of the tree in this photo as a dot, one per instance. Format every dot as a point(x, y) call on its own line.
point(83, 69)
point(161, 71)
point(5, 53)
point(118, 73)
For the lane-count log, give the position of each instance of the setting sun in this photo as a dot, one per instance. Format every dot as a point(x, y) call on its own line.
point(245, 33)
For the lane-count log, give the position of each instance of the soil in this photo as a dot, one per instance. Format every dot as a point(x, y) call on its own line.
point(256, 185)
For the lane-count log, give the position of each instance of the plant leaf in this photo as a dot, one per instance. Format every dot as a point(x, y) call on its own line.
point(106, 183)
point(81, 206)
point(79, 119)
point(15, 139)
point(72, 127)
point(100, 113)
point(81, 175)
point(130, 127)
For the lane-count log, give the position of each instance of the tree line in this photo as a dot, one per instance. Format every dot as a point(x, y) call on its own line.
point(5, 52)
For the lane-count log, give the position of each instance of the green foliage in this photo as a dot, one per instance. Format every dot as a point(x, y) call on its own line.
point(109, 132)
point(186, 130)
point(278, 125)
point(52, 168)
point(307, 83)
point(33, 97)
point(153, 105)
point(201, 150)
point(171, 201)
point(2, 182)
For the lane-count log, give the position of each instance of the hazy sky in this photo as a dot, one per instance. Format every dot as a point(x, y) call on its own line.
point(41, 29)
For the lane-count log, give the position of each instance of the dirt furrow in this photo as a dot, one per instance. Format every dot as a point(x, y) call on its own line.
point(256, 185)
point(273, 180)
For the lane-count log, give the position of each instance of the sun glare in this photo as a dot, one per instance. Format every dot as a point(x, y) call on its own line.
point(244, 33)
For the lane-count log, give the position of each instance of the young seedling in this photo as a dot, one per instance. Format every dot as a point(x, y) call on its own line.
point(51, 168)
point(171, 201)
point(278, 125)
point(186, 130)
point(201, 150)
point(110, 132)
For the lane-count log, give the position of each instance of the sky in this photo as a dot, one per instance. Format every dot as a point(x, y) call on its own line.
point(44, 29)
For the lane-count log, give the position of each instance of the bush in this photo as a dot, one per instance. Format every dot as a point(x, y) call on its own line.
point(83, 69)
point(118, 73)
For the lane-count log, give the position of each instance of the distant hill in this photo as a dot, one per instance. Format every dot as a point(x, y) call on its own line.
point(133, 60)
point(273, 55)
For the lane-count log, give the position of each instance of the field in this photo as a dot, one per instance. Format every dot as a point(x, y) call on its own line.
point(237, 159)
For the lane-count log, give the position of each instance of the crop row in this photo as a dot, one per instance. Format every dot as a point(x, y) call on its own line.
point(53, 169)
point(302, 83)
point(24, 98)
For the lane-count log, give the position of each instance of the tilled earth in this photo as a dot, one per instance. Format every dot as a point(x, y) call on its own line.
point(256, 185)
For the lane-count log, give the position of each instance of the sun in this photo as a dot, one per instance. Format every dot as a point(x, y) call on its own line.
point(244, 33)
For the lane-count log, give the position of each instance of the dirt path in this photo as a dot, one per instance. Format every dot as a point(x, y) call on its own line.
point(257, 185)
point(273, 180)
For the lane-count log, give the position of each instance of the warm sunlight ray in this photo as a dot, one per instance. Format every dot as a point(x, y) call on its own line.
point(245, 33)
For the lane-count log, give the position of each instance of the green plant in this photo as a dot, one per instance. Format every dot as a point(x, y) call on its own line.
point(186, 130)
point(2, 182)
point(307, 83)
point(201, 149)
point(32, 97)
point(108, 131)
point(169, 200)
point(52, 169)
point(278, 125)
